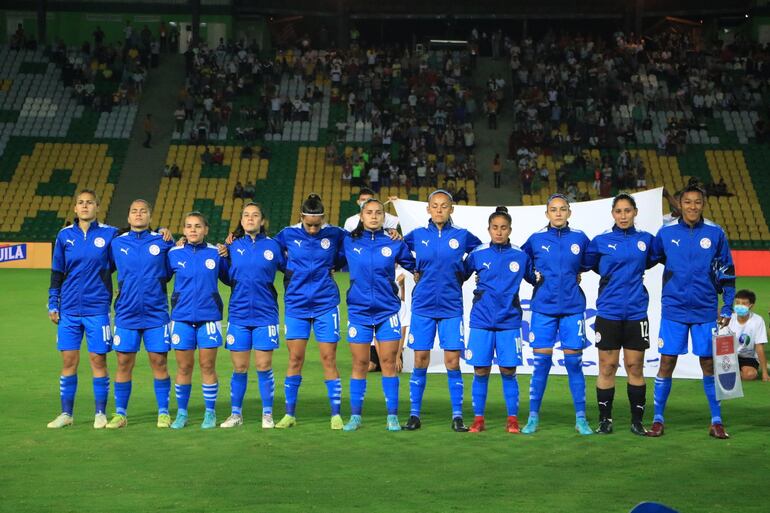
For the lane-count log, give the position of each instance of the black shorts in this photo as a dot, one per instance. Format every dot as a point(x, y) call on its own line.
point(748, 362)
point(612, 335)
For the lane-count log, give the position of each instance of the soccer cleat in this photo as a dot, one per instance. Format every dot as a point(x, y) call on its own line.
point(478, 425)
point(393, 424)
point(531, 426)
point(718, 431)
point(353, 424)
point(637, 428)
point(413, 424)
point(286, 422)
point(267, 421)
point(656, 430)
point(118, 421)
point(62, 420)
point(458, 426)
point(605, 427)
point(336, 423)
point(100, 421)
point(180, 421)
point(209, 420)
point(232, 421)
point(164, 421)
point(582, 427)
point(512, 426)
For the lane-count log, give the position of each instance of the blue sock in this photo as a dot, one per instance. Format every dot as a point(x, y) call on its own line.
point(101, 392)
point(662, 389)
point(479, 394)
point(122, 394)
point(417, 389)
point(210, 393)
point(390, 389)
point(238, 383)
point(711, 394)
point(334, 393)
point(455, 382)
point(511, 393)
point(182, 398)
point(162, 391)
point(357, 393)
point(291, 388)
point(266, 390)
point(537, 383)
point(577, 382)
point(68, 385)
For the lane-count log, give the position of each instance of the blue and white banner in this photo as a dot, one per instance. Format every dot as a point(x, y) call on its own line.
point(592, 217)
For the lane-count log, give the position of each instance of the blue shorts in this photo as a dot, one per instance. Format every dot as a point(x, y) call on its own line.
point(127, 340)
point(246, 338)
point(422, 333)
point(483, 344)
point(96, 328)
point(188, 336)
point(386, 331)
point(571, 331)
point(672, 338)
point(326, 327)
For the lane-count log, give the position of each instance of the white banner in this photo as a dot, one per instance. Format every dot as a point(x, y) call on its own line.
point(592, 217)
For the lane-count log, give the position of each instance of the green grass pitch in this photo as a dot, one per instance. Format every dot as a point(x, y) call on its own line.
point(310, 468)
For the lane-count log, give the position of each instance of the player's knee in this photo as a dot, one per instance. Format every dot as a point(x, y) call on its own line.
point(482, 371)
point(98, 362)
point(421, 360)
point(707, 366)
point(608, 370)
point(329, 360)
point(748, 373)
point(184, 368)
point(634, 368)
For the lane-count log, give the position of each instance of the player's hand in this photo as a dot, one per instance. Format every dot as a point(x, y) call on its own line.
point(392, 198)
point(230, 238)
point(765, 377)
point(393, 234)
point(223, 251)
point(416, 275)
point(538, 277)
point(54, 316)
point(167, 235)
point(399, 365)
point(181, 242)
point(723, 321)
point(579, 278)
point(477, 279)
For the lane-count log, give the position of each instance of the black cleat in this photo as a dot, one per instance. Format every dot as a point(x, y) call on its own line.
point(637, 428)
point(605, 427)
point(458, 425)
point(413, 424)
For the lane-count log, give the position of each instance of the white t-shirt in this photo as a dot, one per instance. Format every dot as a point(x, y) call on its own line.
point(351, 222)
point(749, 334)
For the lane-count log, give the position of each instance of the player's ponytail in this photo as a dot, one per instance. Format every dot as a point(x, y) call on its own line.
point(500, 211)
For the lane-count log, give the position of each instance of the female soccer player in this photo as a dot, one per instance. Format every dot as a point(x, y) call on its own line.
point(620, 256)
point(312, 300)
point(196, 314)
point(141, 309)
point(79, 303)
point(373, 307)
point(558, 306)
point(253, 312)
point(437, 303)
point(698, 267)
point(496, 317)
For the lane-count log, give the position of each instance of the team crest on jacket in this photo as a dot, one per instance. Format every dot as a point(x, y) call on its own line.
point(154, 250)
point(705, 243)
point(116, 340)
point(325, 243)
point(575, 249)
point(514, 267)
point(454, 244)
point(99, 242)
point(268, 254)
point(210, 264)
point(352, 331)
point(386, 252)
point(641, 245)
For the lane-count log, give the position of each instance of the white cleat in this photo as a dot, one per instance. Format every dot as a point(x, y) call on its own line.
point(100, 421)
point(267, 421)
point(232, 421)
point(63, 420)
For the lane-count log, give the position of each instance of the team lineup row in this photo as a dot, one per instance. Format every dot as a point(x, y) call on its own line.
point(695, 252)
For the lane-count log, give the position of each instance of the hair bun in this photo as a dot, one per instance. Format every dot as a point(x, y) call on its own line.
point(501, 210)
point(313, 196)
